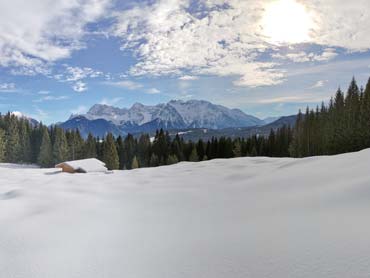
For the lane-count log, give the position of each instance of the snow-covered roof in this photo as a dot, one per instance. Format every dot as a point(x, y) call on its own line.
point(85, 165)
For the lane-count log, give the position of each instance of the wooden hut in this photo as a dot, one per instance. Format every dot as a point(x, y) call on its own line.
point(82, 166)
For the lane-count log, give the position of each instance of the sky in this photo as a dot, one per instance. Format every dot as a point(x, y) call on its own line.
point(268, 58)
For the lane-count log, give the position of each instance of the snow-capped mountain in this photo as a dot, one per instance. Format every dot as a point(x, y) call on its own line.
point(203, 114)
point(174, 114)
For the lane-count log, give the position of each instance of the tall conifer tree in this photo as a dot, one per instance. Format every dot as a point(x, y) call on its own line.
point(90, 147)
point(2, 145)
point(45, 158)
point(110, 155)
point(60, 147)
point(13, 147)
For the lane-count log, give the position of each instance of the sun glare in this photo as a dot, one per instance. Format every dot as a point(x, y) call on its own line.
point(286, 21)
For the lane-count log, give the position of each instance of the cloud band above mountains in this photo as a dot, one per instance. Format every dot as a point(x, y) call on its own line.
point(177, 37)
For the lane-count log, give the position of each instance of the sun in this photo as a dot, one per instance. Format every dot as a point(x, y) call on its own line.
point(286, 21)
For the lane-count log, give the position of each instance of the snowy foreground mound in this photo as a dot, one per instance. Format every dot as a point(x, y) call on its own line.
point(248, 217)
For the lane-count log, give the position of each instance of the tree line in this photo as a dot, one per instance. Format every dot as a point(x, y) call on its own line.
point(22, 142)
point(341, 126)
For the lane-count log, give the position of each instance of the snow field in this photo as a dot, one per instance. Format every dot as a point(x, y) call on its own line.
point(245, 217)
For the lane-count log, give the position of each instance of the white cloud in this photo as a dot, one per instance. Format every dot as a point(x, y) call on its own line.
point(227, 38)
point(303, 57)
point(319, 84)
point(51, 98)
point(297, 57)
point(126, 84)
point(169, 37)
point(341, 23)
point(7, 87)
point(182, 38)
point(188, 78)
point(326, 55)
point(76, 76)
point(153, 91)
point(132, 86)
point(77, 73)
point(36, 33)
point(254, 74)
point(55, 98)
point(79, 87)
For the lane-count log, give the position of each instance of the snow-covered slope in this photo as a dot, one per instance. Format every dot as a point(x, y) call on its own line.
point(174, 114)
point(247, 217)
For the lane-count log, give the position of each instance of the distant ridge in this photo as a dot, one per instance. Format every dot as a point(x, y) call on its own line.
point(175, 114)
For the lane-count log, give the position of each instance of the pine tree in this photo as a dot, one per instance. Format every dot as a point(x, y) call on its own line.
point(208, 150)
point(295, 148)
point(129, 150)
point(24, 141)
point(75, 145)
point(135, 163)
point(194, 155)
point(13, 147)
point(161, 146)
point(271, 143)
point(177, 148)
point(143, 150)
point(154, 161)
point(172, 159)
point(36, 140)
point(200, 149)
point(352, 120)
point(99, 148)
point(121, 153)
point(338, 139)
point(110, 155)
point(90, 147)
point(237, 150)
point(45, 158)
point(214, 152)
point(2, 145)
point(60, 147)
point(365, 116)
point(254, 151)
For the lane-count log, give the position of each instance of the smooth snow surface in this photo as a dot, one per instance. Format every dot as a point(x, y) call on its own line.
point(247, 217)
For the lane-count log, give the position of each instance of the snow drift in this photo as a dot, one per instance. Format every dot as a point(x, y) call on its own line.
point(247, 217)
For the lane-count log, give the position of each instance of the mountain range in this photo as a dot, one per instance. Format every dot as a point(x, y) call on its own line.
point(175, 114)
point(191, 119)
